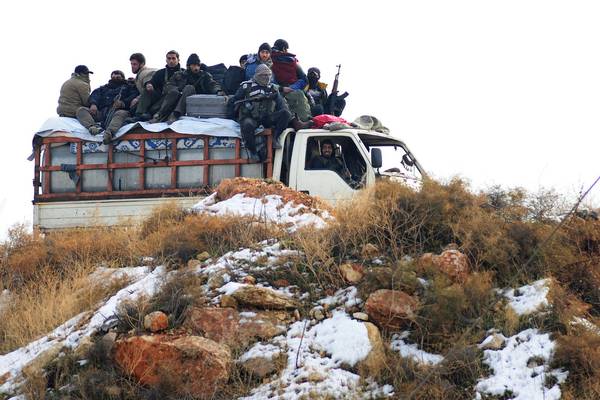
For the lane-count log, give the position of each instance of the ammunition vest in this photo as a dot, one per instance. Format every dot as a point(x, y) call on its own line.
point(257, 109)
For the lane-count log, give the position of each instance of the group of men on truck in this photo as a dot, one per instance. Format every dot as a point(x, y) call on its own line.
point(268, 88)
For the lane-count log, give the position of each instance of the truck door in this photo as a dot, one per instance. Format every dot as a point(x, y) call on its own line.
point(338, 177)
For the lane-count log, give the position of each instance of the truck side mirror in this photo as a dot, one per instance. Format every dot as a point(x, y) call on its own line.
point(376, 159)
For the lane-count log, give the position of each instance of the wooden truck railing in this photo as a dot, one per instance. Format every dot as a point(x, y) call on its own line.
point(44, 167)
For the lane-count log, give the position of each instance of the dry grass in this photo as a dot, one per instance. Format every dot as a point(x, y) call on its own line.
point(172, 234)
point(47, 301)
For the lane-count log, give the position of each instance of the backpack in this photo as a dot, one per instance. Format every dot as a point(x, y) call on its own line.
point(217, 72)
point(298, 104)
point(232, 79)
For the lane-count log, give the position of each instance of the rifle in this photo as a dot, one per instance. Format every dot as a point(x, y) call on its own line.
point(113, 108)
point(336, 103)
point(256, 98)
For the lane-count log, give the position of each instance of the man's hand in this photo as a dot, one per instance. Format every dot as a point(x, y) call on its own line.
point(93, 110)
point(287, 90)
point(149, 87)
point(118, 104)
point(134, 102)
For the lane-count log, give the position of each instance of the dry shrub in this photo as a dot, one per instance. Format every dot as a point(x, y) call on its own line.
point(25, 254)
point(181, 239)
point(410, 380)
point(579, 353)
point(399, 219)
point(181, 291)
point(48, 300)
point(449, 309)
point(21, 256)
point(166, 214)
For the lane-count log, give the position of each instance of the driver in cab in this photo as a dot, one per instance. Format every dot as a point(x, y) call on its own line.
point(328, 160)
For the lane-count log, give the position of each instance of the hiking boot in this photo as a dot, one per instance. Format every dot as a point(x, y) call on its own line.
point(95, 130)
point(130, 120)
point(107, 137)
point(172, 118)
point(144, 117)
point(276, 145)
point(156, 119)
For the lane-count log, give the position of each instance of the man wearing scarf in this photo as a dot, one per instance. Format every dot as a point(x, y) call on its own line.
point(263, 105)
point(109, 105)
point(316, 92)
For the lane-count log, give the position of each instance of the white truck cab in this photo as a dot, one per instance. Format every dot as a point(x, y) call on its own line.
point(359, 152)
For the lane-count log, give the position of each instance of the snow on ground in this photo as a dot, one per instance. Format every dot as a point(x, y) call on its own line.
point(70, 334)
point(529, 298)
point(260, 350)
point(521, 369)
point(412, 351)
point(242, 261)
point(270, 208)
point(347, 297)
point(319, 358)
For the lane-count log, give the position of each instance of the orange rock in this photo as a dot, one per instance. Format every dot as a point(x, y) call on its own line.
point(391, 309)
point(451, 262)
point(352, 273)
point(192, 365)
point(281, 283)
point(454, 264)
point(228, 326)
point(156, 321)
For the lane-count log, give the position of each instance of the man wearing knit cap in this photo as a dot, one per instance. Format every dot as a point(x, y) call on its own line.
point(183, 84)
point(75, 92)
point(259, 103)
point(254, 60)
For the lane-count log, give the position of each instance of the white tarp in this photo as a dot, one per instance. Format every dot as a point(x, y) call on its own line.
point(70, 127)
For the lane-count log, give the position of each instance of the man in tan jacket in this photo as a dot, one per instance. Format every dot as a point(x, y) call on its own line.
point(75, 92)
point(142, 73)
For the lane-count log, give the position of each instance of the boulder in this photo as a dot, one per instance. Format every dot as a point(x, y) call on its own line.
point(193, 264)
point(156, 321)
point(218, 279)
point(193, 366)
point(228, 301)
point(369, 250)
point(453, 263)
point(228, 326)
point(352, 273)
point(391, 309)
point(265, 298)
point(261, 367)
point(376, 359)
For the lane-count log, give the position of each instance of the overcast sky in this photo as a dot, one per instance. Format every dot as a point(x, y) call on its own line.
point(498, 92)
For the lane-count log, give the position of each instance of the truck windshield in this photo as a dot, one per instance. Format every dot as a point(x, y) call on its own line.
point(397, 161)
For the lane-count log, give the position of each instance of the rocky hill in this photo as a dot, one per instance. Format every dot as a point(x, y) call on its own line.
point(260, 292)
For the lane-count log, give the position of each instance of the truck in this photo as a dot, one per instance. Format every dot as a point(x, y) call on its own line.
point(82, 183)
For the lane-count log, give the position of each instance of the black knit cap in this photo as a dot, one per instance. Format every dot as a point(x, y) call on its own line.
point(281, 45)
point(264, 46)
point(193, 59)
point(82, 69)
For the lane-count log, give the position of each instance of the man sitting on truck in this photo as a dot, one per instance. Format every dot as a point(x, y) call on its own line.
point(143, 75)
point(258, 102)
point(75, 92)
point(183, 84)
point(152, 97)
point(109, 105)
